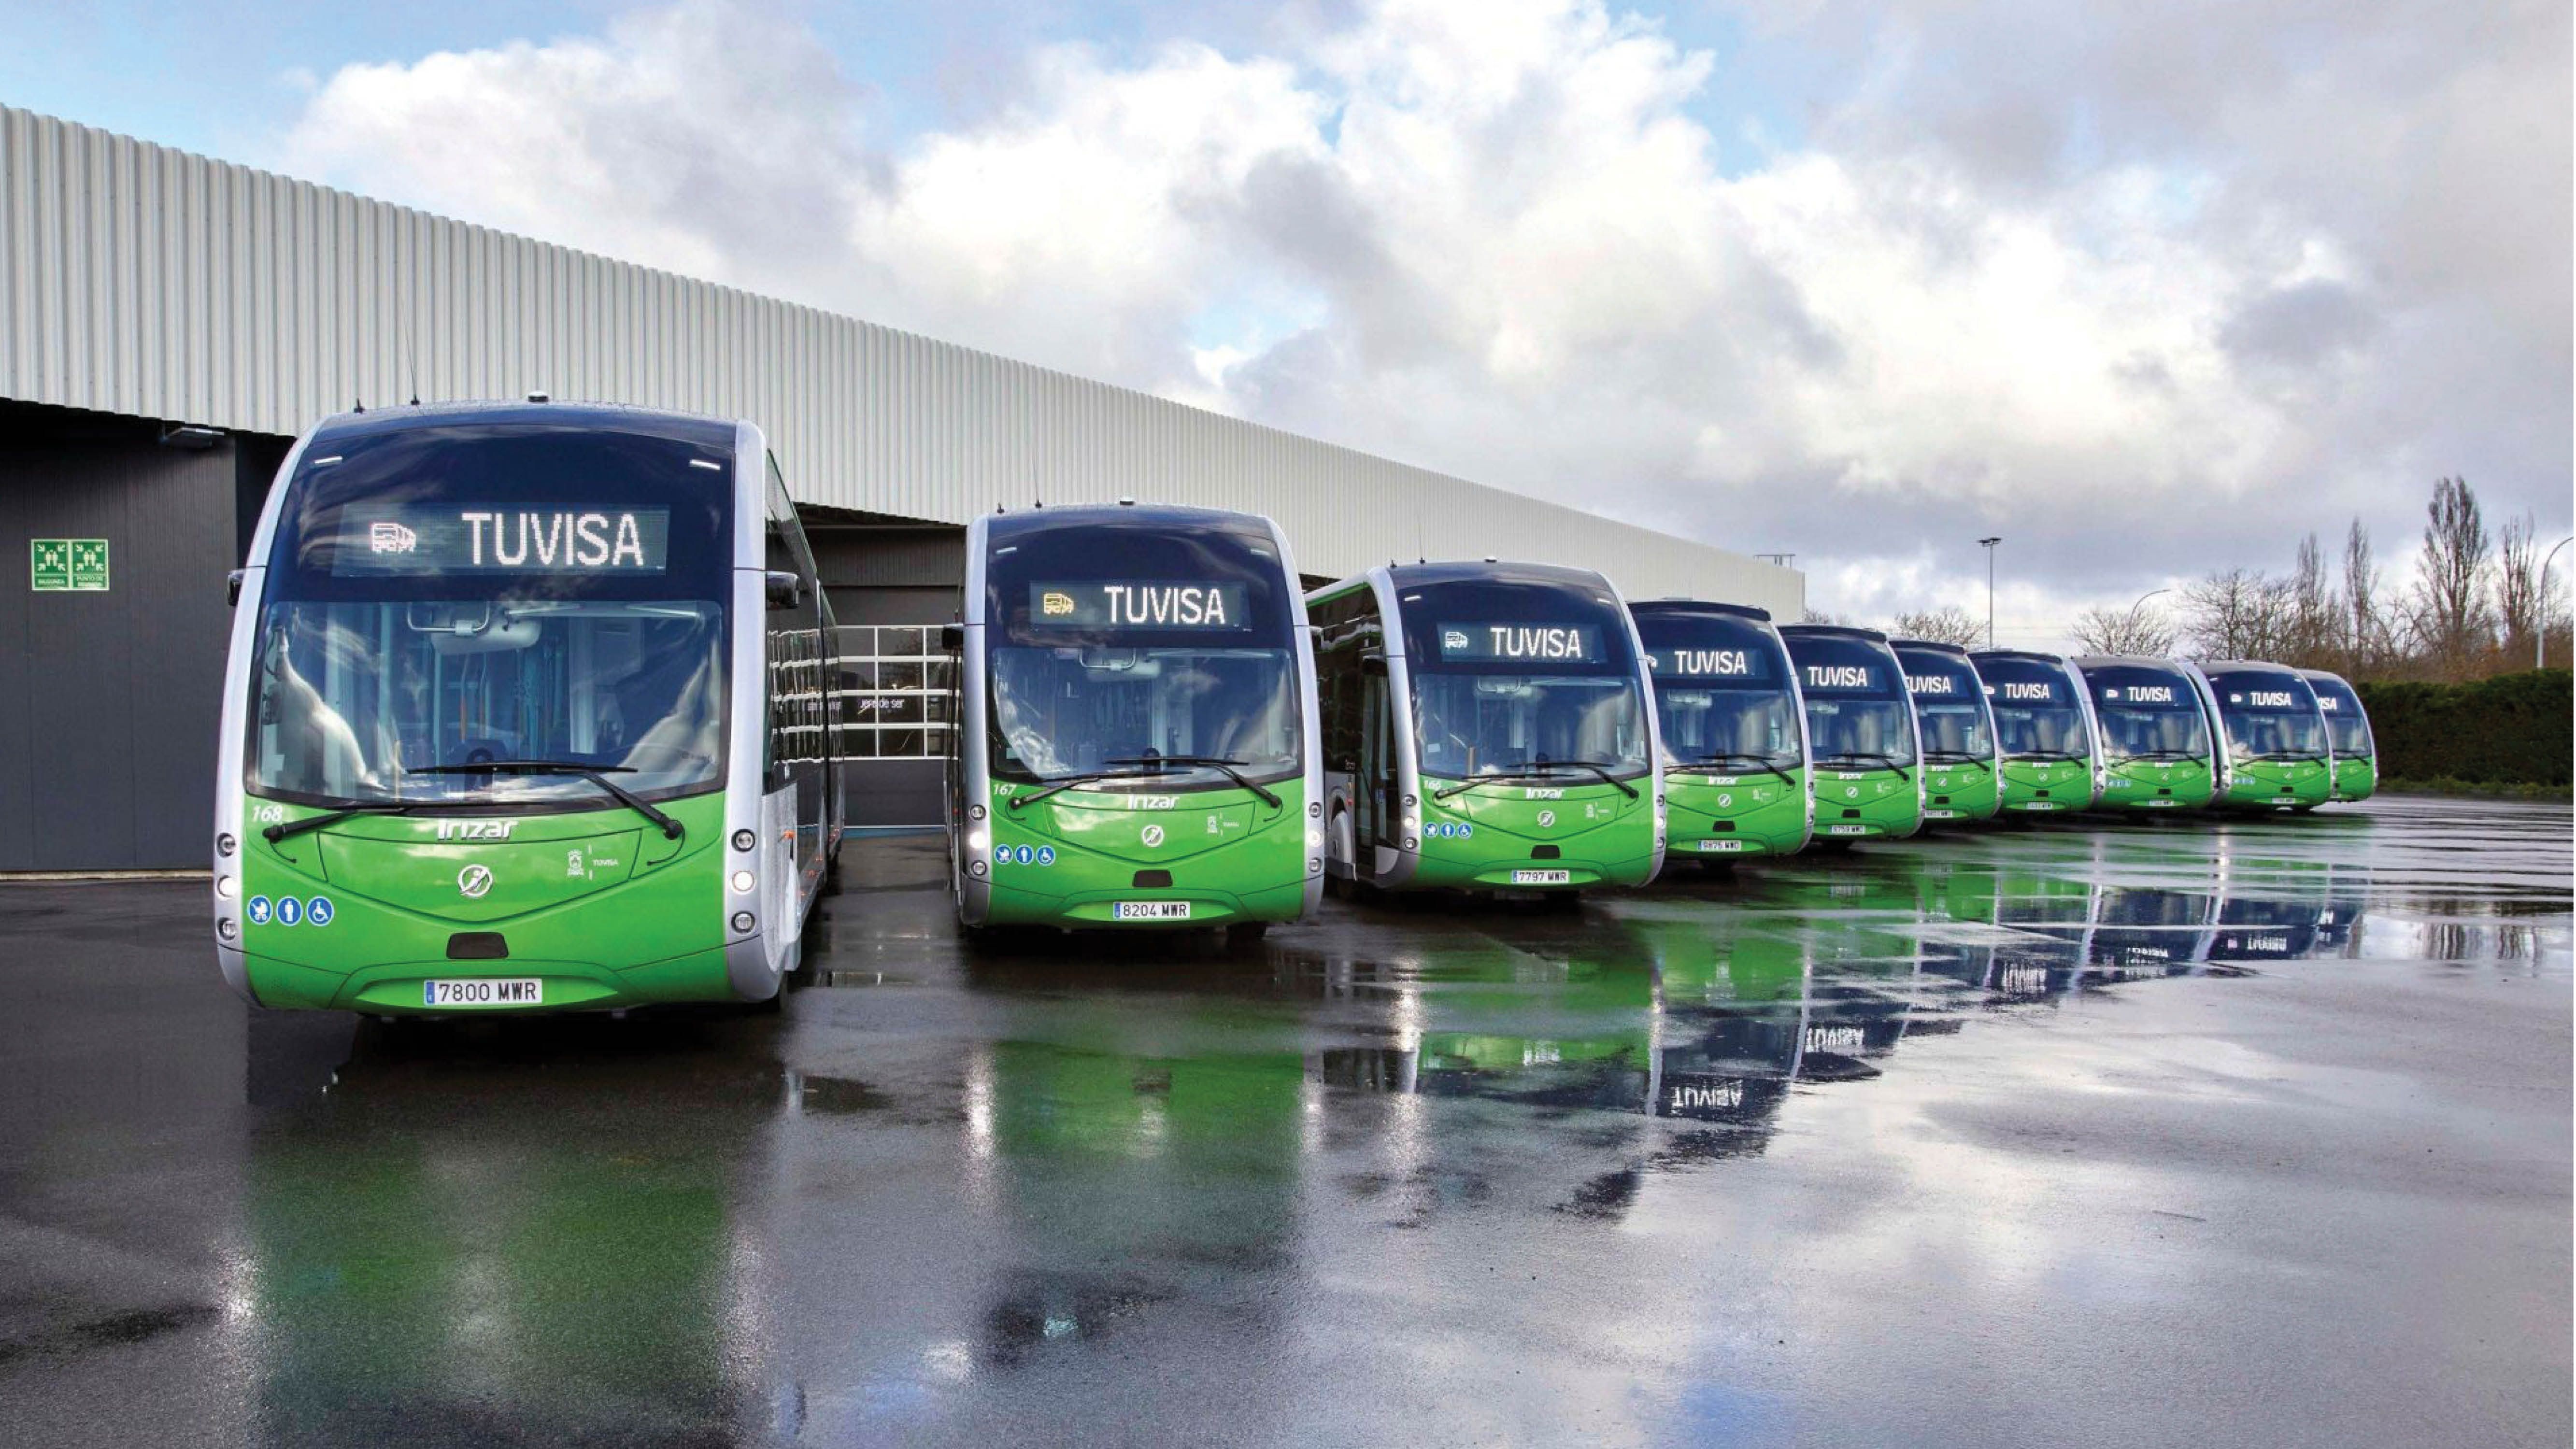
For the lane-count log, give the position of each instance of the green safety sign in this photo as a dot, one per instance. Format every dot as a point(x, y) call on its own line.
point(67, 565)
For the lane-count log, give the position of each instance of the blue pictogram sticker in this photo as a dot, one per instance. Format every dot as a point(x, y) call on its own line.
point(317, 911)
point(1025, 854)
point(1046, 855)
point(289, 910)
point(257, 909)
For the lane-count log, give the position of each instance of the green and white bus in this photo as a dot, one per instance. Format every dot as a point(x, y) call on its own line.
point(1137, 739)
point(526, 710)
point(2356, 753)
point(2044, 732)
point(2278, 756)
point(1734, 731)
point(1487, 727)
point(1957, 724)
point(2157, 736)
point(1864, 754)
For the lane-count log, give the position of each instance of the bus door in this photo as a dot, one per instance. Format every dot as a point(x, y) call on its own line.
point(1374, 792)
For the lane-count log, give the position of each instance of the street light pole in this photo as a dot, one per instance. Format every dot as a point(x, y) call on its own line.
point(1989, 545)
point(2540, 635)
point(2140, 604)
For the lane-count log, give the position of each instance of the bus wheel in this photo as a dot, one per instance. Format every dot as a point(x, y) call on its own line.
point(1245, 935)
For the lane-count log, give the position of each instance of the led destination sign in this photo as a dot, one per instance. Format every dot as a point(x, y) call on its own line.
point(1138, 604)
point(1523, 643)
point(1842, 677)
point(1748, 666)
point(476, 539)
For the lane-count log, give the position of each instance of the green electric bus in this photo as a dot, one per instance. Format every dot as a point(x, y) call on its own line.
point(1733, 729)
point(1136, 744)
point(1864, 754)
point(525, 710)
point(2356, 754)
point(2274, 733)
point(1957, 724)
point(2158, 744)
point(1487, 727)
point(2044, 732)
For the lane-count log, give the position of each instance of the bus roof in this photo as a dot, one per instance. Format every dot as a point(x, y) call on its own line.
point(1030, 520)
point(1699, 606)
point(1937, 646)
point(1818, 631)
point(2125, 661)
point(1414, 575)
point(2036, 656)
point(694, 428)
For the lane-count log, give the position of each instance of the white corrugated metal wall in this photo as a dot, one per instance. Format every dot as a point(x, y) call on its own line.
point(141, 280)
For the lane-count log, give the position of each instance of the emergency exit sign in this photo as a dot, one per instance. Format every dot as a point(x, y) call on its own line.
point(67, 565)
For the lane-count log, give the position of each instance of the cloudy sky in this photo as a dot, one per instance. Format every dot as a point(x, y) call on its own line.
point(2146, 289)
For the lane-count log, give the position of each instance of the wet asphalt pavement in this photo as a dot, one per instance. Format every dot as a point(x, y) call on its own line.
point(2251, 1133)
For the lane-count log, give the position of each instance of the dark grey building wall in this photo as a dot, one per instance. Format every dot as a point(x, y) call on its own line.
point(109, 702)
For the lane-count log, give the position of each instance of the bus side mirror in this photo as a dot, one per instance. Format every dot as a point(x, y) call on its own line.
point(785, 589)
point(232, 588)
point(952, 638)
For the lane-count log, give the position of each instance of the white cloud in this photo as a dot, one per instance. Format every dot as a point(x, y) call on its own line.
point(2069, 275)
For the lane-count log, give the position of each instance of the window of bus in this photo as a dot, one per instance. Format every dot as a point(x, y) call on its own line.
point(2346, 726)
point(1511, 676)
point(1721, 692)
point(461, 595)
point(2037, 716)
point(1116, 646)
point(1857, 714)
point(1948, 708)
point(2269, 719)
point(2147, 714)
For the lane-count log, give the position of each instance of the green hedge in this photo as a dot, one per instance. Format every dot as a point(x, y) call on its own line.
point(2513, 729)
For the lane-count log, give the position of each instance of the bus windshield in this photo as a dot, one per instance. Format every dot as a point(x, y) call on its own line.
point(2346, 725)
point(1721, 690)
point(1517, 676)
point(1949, 705)
point(2037, 716)
point(2268, 717)
point(2147, 713)
point(1115, 647)
point(1857, 713)
point(457, 595)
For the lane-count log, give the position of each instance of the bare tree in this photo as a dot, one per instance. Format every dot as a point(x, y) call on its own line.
point(2313, 637)
point(2136, 630)
point(2453, 624)
point(2365, 622)
point(2519, 611)
point(1813, 615)
point(1949, 625)
point(2237, 614)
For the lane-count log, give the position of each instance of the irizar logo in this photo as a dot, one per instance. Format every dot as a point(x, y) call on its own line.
point(476, 829)
point(1542, 794)
point(1170, 604)
point(1546, 818)
point(391, 538)
point(1152, 837)
point(1153, 802)
point(474, 882)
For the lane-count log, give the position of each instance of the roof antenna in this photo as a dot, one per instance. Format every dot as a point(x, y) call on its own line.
point(361, 407)
point(402, 340)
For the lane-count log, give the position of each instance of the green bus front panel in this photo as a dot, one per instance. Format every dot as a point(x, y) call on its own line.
point(1516, 837)
point(595, 906)
point(2046, 787)
point(1960, 793)
point(2279, 784)
point(1072, 858)
point(1721, 817)
point(1865, 804)
point(2146, 787)
point(2356, 777)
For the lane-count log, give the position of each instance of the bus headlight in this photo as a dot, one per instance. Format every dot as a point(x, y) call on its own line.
point(226, 929)
point(743, 921)
point(743, 881)
point(974, 812)
point(1314, 809)
point(976, 840)
point(744, 840)
point(225, 887)
point(1314, 865)
point(1412, 823)
point(225, 845)
point(1314, 840)
point(975, 868)
point(1412, 844)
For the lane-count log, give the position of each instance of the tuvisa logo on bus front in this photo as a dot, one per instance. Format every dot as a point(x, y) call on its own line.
point(1931, 684)
point(1838, 676)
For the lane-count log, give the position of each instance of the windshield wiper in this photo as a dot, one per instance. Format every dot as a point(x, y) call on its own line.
point(2162, 755)
point(1213, 762)
point(595, 774)
point(1730, 756)
point(2044, 755)
point(1594, 766)
point(276, 833)
point(1890, 761)
point(1959, 757)
point(2293, 755)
